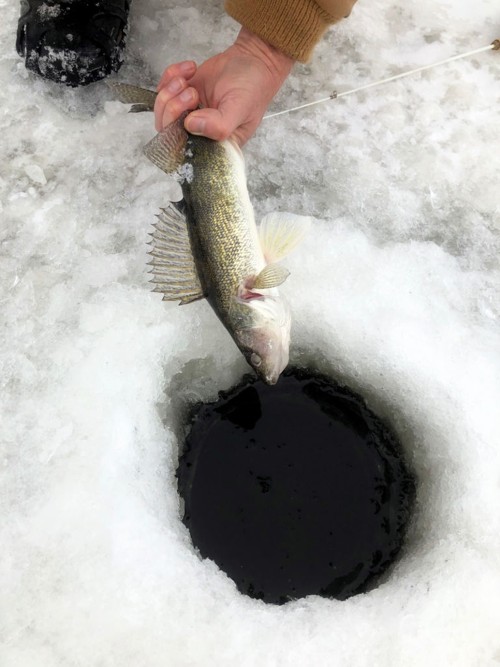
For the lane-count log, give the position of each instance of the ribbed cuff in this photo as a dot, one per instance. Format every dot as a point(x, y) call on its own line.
point(292, 26)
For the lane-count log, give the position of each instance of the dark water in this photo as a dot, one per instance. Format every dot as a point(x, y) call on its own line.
point(295, 489)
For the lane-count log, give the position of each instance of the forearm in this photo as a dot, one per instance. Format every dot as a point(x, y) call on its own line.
point(294, 27)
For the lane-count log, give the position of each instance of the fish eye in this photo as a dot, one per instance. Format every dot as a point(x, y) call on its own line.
point(255, 360)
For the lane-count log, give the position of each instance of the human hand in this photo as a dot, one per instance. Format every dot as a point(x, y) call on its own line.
point(234, 88)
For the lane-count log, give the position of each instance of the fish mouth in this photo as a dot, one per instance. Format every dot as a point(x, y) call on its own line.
point(271, 379)
point(270, 362)
point(270, 373)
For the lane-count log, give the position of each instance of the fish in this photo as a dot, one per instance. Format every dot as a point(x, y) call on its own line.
point(207, 245)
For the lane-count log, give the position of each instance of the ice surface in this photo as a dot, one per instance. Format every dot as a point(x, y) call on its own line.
point(395, 291)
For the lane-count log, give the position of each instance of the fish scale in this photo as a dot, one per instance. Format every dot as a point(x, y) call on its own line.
point(221, 223)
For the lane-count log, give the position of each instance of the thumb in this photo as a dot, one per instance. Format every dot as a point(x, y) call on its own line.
point(218, 124)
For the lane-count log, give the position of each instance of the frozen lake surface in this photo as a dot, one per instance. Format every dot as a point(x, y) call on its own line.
point(394, 292)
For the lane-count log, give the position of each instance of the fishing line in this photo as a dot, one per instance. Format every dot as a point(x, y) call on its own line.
point(494, 46)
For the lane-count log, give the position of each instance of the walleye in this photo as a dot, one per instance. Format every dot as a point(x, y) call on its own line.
point(208, 245)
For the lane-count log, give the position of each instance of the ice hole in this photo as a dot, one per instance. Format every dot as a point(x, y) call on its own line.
point(295, 489)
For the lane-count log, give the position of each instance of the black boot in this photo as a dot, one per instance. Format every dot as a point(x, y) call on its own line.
point(75, 42)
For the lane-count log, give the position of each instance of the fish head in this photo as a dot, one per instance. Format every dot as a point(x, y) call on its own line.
point(261, 329)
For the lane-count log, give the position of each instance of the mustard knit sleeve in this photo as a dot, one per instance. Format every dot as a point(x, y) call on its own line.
point(292, 26)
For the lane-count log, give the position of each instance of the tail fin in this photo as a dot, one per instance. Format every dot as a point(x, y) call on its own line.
point(140, 98)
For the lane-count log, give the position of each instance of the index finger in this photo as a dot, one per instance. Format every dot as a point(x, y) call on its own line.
point(185, 69)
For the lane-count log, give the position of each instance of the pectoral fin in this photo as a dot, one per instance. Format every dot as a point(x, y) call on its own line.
point(280, 233)
point(271, 276)
point(173, 268)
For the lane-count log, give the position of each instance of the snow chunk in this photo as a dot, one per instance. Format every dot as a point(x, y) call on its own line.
point(35, 173)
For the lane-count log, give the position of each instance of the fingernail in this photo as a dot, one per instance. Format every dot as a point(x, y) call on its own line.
point(187, 66)
point(187, 95)
point(175, 86)
point(196, 125)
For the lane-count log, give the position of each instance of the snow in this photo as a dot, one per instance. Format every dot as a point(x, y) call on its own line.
point(394, 291)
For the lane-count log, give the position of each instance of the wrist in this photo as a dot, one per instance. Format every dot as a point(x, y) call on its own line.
point(278, 63)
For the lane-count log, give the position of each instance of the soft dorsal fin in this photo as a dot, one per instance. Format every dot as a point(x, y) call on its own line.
point(271, 276)
point(280, 233)
point(168, 149)
point(173, 268)
point(141, 98)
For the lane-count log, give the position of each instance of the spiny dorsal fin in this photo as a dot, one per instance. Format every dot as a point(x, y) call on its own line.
point(271, 276)
point(280, 233)
point(167, 149)
point(141, 98)
point(173, 268)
